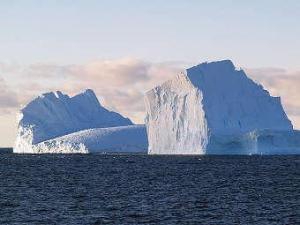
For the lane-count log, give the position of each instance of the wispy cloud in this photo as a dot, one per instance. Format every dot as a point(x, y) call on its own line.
point(8, 98)
point(119, 84)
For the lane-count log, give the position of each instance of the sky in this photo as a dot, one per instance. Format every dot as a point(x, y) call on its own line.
point(122, 48)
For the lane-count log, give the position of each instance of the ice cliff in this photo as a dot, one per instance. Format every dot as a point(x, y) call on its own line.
point(46, 120)
point(214, 108)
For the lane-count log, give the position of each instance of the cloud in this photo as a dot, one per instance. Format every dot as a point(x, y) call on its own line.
point(117, 72)
point(8, 98)
point(9, 67)
point(120, 84)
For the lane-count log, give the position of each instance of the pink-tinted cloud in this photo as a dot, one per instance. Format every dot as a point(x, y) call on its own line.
point(120, 84)
point(8, 98)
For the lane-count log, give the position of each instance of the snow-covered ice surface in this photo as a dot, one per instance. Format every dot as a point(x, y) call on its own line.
point(118, 139)
point(131, 138)
point(46, 119)
point(212, 107)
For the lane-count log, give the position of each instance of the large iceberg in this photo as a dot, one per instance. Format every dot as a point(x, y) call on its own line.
point(215, 108)
point(57, 123)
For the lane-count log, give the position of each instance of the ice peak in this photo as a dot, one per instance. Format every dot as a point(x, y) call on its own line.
point(222, 67)
point(87, 95)
point(58, 94)
point(53, 95)
point(221, 63)
point(89, 92)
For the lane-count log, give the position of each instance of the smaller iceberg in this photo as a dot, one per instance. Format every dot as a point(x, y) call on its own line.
point(57, 123)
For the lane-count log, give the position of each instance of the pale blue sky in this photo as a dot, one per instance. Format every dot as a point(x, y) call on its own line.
point(252, 33)
point(64, 45)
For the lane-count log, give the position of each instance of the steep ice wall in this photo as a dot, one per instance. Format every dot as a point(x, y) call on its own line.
point(176, 124)
point(234, 103)
point(210, 100)
point(55, 114)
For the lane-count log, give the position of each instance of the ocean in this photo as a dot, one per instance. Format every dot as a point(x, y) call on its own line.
point(142, 189)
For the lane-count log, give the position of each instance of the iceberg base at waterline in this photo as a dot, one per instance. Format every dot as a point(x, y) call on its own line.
point(263, 142)
point(133, 138)
point(57, 123)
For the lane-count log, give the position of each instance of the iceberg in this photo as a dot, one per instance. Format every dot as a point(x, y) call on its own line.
point(214, 108)
point(57, 123)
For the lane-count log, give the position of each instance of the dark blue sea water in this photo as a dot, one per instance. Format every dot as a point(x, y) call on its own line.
point(141, 189)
